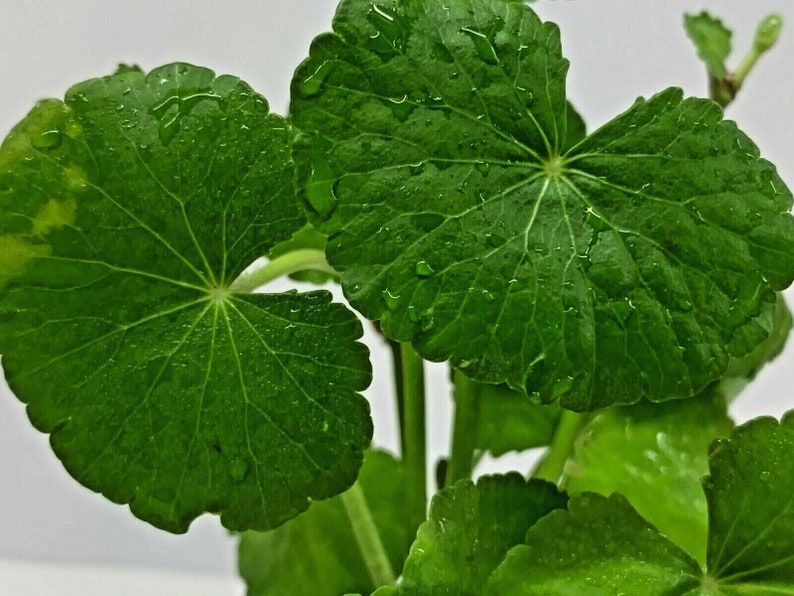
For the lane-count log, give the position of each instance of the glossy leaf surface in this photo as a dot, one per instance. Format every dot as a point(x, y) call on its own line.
point(125, 212)
point(317, 552)
point(751, 508)
point(469, 530)
point(655, 455)
point(633, 264)
point(600, 545)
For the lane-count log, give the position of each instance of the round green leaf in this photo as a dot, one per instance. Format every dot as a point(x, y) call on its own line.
point(599, 545)
point(125, 213)
point(751, 508)
point(632, 264)
point(470, 528)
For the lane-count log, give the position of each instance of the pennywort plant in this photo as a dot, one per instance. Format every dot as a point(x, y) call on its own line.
point(601, 295)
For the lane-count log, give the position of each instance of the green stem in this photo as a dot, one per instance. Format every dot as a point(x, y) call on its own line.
point(297, 260)
point(766, 36)
point(399, 390)
point(467, 409)
point(367, 536)
point(414, 454)
point(552, 466)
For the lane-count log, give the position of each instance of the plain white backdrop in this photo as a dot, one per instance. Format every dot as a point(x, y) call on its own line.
point(619, 49)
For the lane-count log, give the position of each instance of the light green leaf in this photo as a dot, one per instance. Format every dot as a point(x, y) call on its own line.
point(633, 265)
point(469, 530)
point(510, 421)
point(317, 553)
point(712, 40)
point(598, 546)
point(751, 508)
point(125, 213)
point(655, 455)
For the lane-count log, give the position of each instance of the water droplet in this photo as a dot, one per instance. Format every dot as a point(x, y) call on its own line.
point(483, 167)
point(239, 470)
point(392, 300)
point(50, 139)
point(417, 168)
point(321, 196)
point(488, 296)
point(482, 44)
point(442, 53)
point(426, 320)
point(260, 103)
point(423, 269)
point(313, 84)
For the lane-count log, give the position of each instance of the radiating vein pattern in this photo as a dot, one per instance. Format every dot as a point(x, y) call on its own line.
point(465, 215)
point(125, 212)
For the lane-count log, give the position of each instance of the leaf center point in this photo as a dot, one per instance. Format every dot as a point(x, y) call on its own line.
point(219, 295)
point(554, 167)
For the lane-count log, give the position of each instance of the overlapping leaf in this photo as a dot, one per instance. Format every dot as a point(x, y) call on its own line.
point(317, 553)
point(655, 455)
point(125, 213)
point(632, 264)
point(469, 530)
point(751, 508)
point(601, 545)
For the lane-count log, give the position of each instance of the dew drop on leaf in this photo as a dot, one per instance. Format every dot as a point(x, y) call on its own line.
point(313, 84)
point(423, 269)
point(50, 139)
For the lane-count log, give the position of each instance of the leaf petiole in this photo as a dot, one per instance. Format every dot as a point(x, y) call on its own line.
point(553, 464)
point(414, 453)
point(367, 536)
point(297, 260)
point(464, 430)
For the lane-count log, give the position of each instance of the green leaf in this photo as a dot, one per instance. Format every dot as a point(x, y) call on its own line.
point(598, 546)
point(655, 455)
point(469, 530)
point(633, 265)
point(776, 320)
point(712, 40)
point(751, 508)
point(125, 213)
point(510, 421)
point(317, 552)
point(577, 129)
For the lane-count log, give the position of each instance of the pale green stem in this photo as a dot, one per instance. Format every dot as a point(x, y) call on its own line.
point(464, 430)
point(414, 453)
point(765, 37)
point(297, 260)
point(552, 466)
point(367, 536)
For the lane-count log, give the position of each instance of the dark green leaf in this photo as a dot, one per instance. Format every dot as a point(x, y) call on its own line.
point(577, 129)
point(469, 530)
point(125, 213)
point(655, 455)
point(712, 40)
point(598, 546)
point(317, 553)
point(510, 421)
point(751, 508)
point(775, 319)
point(633, 265)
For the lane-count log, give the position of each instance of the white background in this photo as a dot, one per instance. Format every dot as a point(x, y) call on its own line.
point(619, 49)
